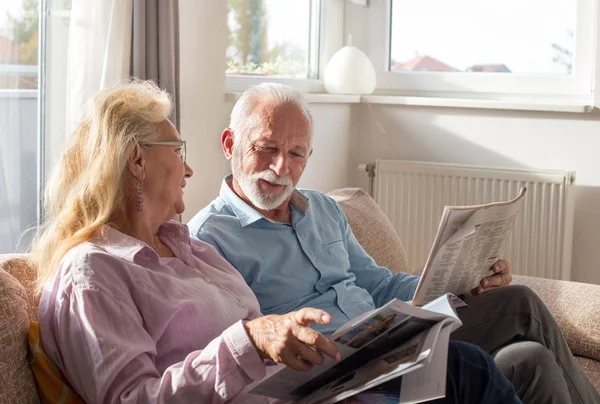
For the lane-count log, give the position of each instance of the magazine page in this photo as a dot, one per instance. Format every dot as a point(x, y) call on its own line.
point(416, 370)
point(354, 322)
point(407, 357)
point(469, 241)
point(447, 304)
point(383, 331)
point(428, 383)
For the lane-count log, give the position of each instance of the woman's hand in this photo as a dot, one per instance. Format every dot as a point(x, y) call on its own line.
point(288, 338)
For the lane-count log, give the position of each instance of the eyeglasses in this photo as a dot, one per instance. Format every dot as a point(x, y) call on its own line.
point(181, 152)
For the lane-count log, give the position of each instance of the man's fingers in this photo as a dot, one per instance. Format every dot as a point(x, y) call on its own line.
point(501, 279)
point(491, 281)
point(309, 315)
point(501, 266)
point(477, 291)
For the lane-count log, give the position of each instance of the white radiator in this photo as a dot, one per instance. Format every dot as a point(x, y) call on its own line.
point(413, 196)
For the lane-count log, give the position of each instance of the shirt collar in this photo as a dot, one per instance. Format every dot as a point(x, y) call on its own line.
point(246, 213)
point(126, 247)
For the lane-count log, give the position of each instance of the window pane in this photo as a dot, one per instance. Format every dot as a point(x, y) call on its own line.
point(518, 36)
point(19, 21)
point(269, 38)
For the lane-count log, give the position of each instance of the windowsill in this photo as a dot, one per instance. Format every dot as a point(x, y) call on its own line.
point(313, 98)
point(543, 105)
point(546, 105)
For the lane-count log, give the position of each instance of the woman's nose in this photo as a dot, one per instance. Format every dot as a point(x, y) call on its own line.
point(188, 170)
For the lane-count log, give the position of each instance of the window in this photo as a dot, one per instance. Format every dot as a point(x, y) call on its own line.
point(483, 36)
point(280, 40)
point(32, 111)
point(264, 40)
point(480, 48)
point(19, 22)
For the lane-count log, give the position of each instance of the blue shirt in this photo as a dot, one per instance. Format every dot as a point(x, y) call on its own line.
point(314, 262)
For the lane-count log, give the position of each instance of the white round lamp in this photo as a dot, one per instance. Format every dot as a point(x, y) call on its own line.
point(349, 71)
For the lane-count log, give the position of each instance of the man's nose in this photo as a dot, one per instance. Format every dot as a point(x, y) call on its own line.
point(279, 165)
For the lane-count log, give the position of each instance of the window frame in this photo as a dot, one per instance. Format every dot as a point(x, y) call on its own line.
point(577, 86)
point(326, 39)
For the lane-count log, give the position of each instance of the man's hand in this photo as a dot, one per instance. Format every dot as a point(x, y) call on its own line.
point(288, 339)
point(501, 277)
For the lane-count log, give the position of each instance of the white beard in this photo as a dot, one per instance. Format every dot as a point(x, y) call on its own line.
point(251, 187)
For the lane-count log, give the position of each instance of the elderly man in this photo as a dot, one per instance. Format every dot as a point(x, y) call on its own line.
point(295, 249)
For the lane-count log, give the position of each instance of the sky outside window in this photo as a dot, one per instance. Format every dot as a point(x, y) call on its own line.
point(524, 36)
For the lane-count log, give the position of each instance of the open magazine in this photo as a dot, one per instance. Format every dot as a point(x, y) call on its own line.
point(398, 342)
point(470, 239)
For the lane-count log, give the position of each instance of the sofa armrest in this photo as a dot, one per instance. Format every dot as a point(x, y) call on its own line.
point(22, 269)
point(576, 308)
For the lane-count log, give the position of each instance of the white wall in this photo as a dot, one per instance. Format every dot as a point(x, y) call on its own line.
point(501, 139)
point(345, 135)
point(330, 165)
point(204, 112)
point(203, 39)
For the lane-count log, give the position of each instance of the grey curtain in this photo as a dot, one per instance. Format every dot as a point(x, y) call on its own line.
point(155, 46)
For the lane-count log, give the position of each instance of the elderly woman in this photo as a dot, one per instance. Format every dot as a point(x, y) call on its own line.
point(132, 309)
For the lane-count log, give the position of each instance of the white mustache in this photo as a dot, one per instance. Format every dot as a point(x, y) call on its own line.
point(273, 178)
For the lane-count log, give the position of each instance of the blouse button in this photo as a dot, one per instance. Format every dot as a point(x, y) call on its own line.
point(241, 304)
point(207, 280)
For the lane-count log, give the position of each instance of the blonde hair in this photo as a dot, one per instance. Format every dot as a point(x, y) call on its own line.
point(90, 185)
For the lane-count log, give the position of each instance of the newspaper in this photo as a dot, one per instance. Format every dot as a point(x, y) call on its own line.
point(396, 340)
point(470, 239)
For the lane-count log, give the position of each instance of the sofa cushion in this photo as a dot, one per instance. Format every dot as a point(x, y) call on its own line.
point(591, 368)
point(23, 270)
point(372, 228)
point(50, 384)
point(16, 379)
point(577, 318)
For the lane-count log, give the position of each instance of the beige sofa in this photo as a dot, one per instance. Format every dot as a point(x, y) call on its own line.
point(576, 306)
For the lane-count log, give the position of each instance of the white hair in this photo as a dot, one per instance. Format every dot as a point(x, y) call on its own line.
point(242, 121)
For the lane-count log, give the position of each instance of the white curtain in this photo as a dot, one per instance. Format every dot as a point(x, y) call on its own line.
point(99, 50)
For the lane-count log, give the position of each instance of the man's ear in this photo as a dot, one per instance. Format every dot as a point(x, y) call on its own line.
point(137, 163)
point(227, 141)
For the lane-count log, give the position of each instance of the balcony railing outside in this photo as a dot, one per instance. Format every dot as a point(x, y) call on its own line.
point(18, 159)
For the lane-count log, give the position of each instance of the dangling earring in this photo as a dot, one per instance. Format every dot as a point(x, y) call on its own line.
point(140, 199)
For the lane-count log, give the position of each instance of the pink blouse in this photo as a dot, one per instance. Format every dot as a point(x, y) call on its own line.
point(126, 326)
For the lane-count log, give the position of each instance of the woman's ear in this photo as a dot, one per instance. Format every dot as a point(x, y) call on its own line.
point(137, 163)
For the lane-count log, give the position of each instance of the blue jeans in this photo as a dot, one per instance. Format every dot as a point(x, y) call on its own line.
point(472, 378)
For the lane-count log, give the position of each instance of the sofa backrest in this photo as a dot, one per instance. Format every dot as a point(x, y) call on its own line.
point(23, 270)
point(18, 303)
point(372, 228)
point(16, 378)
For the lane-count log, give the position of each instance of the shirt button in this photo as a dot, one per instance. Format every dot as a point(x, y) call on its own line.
point(207, 280)
point(241, 304)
